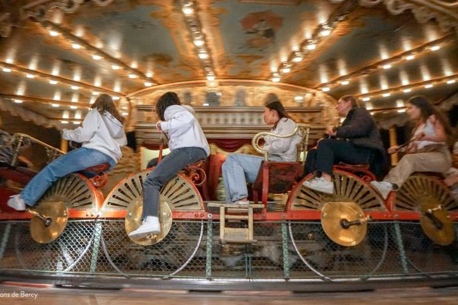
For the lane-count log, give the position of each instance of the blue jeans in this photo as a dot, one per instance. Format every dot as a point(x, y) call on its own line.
point(74, 161)
point(238, 169)
point(165, 170)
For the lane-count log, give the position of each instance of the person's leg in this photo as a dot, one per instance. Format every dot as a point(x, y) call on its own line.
point(238, 169)
point(310, 162)
point(421, 162)
point(74, 161)
point(154, 161)
point(163, 172)
point(330, 152)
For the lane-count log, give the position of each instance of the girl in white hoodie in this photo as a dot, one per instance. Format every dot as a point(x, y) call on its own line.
point(102, 136)
point(187, 144)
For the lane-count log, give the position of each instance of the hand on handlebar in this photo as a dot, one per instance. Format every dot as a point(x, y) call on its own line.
point(158, 125)
point(331, 131)
point(393, 149)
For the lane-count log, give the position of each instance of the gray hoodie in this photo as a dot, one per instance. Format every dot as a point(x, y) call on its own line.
point(100, 132)
point(183, 129)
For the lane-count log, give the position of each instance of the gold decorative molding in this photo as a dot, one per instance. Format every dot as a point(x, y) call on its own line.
point(445, 12)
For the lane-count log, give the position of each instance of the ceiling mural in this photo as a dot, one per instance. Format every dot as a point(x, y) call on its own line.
point(56, 56)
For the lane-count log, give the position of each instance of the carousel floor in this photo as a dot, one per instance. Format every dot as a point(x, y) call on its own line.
point(14, 293)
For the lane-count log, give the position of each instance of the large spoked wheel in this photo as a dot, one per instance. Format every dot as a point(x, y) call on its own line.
point(347, 188)
point(180, 193)
point(179, 240)
point(352, 196)
point(50, 216)
point(325, 248)
point(432, 200)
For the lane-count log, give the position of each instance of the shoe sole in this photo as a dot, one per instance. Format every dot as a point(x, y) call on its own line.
point(139, 235)
point(16, 209)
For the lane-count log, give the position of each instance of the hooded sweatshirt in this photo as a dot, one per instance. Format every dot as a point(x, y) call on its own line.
point(100, 132)
point(282, 149)
point(183, 129)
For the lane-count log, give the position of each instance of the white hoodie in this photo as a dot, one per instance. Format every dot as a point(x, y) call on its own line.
point(103, 133)
point(183, 129)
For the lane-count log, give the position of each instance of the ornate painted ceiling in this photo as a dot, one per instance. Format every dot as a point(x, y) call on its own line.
point(56, 56)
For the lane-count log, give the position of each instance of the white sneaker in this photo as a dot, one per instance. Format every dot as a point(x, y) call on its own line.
point(16, 202)
point(383, 187)
point(320, 185)
point(150, 225)
point(242, 202)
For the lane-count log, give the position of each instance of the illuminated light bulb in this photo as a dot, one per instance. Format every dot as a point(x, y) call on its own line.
point(203, 55)
point(407, 90)
point(64, 122)
point(199, 41)
point(53, 82)
point(345, 82)
point(73, 107)
point(76, 46)
point(452, 81)
point(95, 93)
point(55, 105)
point(96, 57)
point(132, 76)
point(6, 70)
point(30, 76)
point(429, 86)
point(386, 67)
point(18, 101)
point(325, 31)
point(410, 57)
point(148, 84)
point(311, 46)
point(435, 48)
point(53, 33)
point(365, 99)
point(286, 69)
point(325, 89)
point(275, 79)
point(297, 57)
point(187, 10)
point(386, 94)
point(115, 67)
point(75, 87)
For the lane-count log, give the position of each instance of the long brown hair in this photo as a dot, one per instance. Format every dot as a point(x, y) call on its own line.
point(105, 103)
point(166, 100)
point(427, 109)
point(278, 107)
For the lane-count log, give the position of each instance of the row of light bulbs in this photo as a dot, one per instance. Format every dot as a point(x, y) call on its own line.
point(53, 80)
point(449, 80)
point(307, 45)
point(387, 63)
point(79, 44)
point(187, 7)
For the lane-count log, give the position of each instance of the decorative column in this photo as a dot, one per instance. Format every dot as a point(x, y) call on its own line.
point(393, 141)
point(63, 145)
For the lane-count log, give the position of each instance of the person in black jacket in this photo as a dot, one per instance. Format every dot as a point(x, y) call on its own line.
point(356, 141)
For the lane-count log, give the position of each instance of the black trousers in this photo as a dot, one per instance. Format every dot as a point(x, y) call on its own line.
point(332, 151)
